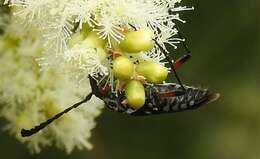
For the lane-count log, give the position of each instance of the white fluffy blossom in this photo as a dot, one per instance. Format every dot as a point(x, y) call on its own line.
point(61, 41)
point(60, 19)
point(29, 96)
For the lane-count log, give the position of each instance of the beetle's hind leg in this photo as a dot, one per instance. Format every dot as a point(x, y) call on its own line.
point(180, 61)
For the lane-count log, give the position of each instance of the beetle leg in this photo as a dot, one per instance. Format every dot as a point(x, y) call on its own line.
point(114, 54)
point(94, 87)
point(124, 103)
point(121, 85)
point(29, 132)
point(171, 94)
point(140, 78)
point(177, 64)
point(105, 91)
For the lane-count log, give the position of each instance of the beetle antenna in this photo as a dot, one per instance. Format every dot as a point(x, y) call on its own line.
point(188, 52)
point(26, 133)
point(185, 46)
point(171, 64)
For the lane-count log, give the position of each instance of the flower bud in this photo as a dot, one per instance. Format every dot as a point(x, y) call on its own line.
point(137, 41)
point(94, 41)
point(123, 68)
point(75, 39)
point(101, 54)
point(135, 94)
point(152, 71)
point(86, 29)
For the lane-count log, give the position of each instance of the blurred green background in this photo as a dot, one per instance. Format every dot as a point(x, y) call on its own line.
point(224, 37)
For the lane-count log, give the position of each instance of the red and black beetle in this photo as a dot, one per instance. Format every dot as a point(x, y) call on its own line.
point(160, 99)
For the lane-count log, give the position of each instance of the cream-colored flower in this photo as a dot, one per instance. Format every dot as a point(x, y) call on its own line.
point(60, 20)
point(74, 38)
point(29, 95)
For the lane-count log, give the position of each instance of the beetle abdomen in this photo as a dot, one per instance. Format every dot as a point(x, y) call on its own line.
point(192, 99)
point(157, 104)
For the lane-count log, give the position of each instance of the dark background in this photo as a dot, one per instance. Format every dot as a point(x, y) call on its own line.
point(224, 36)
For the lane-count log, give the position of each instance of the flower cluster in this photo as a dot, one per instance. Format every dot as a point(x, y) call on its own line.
point(29, 95)
point(78, 38)
point(60, 20)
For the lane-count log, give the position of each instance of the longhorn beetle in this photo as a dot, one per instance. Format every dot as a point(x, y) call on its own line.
point(160, 98)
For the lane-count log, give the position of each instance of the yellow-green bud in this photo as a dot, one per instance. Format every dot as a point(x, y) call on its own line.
point(123, 68)
point(137, 41)
point(152, 71)
point(135, 94)
point(101, 54)
point(94, 41)
point(86, 29)
point(76, 39)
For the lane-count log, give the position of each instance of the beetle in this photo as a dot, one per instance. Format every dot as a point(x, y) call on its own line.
point(159, 98)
